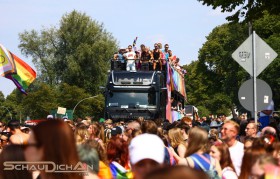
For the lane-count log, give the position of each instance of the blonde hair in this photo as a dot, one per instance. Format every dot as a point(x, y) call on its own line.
point(198, 139)
point(81, 134)
point(175, 136)
point(98, 131)
point(235, 125)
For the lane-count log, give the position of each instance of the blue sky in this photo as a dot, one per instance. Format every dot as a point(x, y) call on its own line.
point(183, 24)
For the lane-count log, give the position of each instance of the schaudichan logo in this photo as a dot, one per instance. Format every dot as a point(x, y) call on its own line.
point(48, 167)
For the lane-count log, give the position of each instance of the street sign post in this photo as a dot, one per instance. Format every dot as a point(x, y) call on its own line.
point(254, 55)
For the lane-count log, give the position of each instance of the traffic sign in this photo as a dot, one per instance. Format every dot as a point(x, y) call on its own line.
point(264, 95)
point(244, 55)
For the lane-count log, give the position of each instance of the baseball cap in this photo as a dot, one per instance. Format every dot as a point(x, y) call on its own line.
point(116, 130)
point(146, 146)
point(101, 120)
point(113, 131)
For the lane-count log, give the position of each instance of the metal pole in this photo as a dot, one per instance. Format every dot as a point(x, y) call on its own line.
point(255, 78)
point(250, 27)
point(81, 101)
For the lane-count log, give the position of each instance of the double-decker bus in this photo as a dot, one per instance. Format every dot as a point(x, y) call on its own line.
point(148, 94)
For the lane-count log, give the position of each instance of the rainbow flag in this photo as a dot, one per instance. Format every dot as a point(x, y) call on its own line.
point(24, 74)
point(168, 86)
point(119, 172)
point(6, 63)
point(177, 81)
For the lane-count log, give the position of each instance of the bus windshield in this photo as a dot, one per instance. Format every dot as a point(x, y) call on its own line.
point(132, 99)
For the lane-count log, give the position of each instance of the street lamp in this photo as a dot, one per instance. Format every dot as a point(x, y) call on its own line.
point(81, 101)
point(8, 111)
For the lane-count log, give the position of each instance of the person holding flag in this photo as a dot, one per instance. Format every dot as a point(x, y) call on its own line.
point(134, 44)
point(138, 54)
point(130, 59)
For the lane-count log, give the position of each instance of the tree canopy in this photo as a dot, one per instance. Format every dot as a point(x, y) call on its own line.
point(245, 9)
point(42, 98)
point(213, 81)
point(76, 53)
point(71, 61)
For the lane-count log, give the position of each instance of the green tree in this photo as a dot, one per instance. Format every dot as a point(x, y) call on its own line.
point(245, 9)
point(195, 88)
point(13, 105)
point(77, 53)
point(2, 97)
point(39, 102)
point(3, 110)
point(203, 111)
point(42, 98)
point(213, 81)
point(268, 28)
point(215, 57)
point(69, 96)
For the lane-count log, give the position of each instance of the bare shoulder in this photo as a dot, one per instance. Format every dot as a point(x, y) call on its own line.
point(190, 162)
point(14, 140)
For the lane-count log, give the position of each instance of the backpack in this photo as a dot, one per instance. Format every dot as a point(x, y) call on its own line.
point(211, 172)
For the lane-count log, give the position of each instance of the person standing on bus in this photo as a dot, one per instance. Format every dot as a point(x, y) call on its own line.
point(130, 57)
point(165, 56)
point(156, 57)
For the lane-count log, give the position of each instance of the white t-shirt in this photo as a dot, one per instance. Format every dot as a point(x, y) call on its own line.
point(130, 55)
point(236, 154)
point(228, 173)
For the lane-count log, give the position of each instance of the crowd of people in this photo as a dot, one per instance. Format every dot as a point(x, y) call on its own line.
point(141, 149)
point(146, 59)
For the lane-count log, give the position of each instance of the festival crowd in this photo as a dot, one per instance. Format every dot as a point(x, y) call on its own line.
point(206, 147)
point(199, 148)
point(145, 59)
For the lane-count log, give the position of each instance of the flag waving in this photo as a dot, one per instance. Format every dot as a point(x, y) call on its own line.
point(15, 69)
point(6, 63)
point(134, 44)
point(24, 75)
